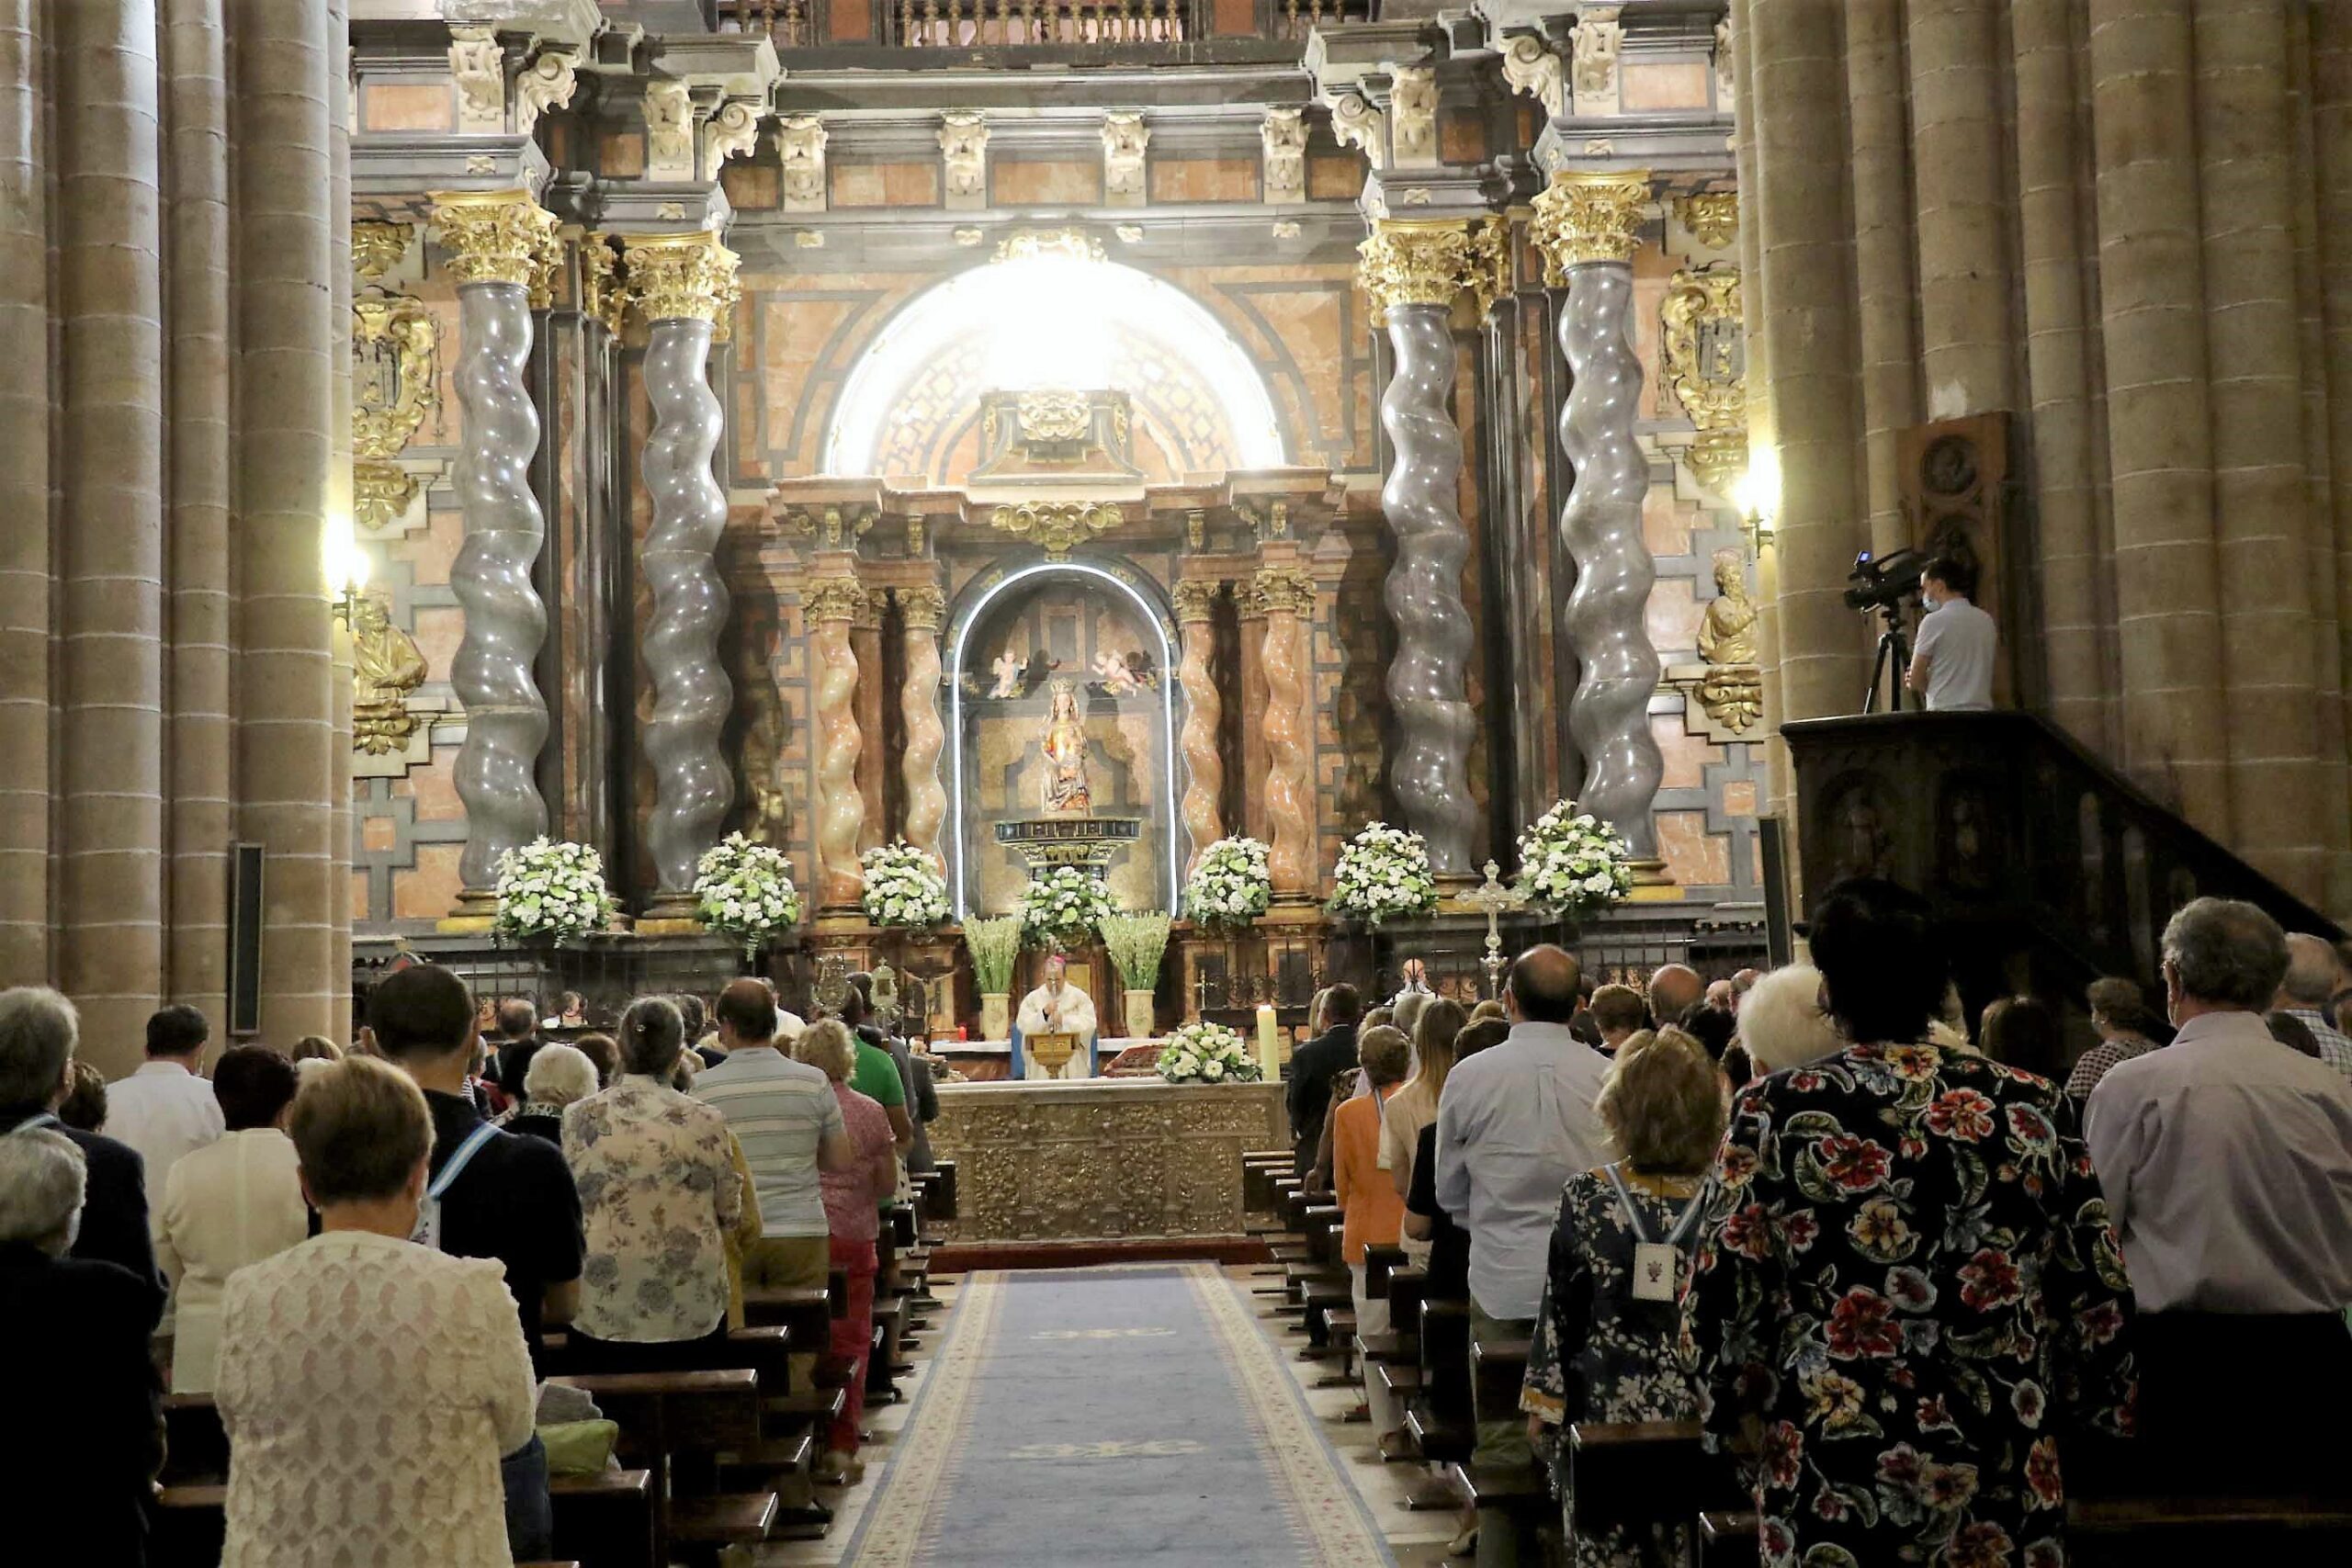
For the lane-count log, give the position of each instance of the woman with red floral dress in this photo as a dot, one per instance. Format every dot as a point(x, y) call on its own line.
point(1907, 1299)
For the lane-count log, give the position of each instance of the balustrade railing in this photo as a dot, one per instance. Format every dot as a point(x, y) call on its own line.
point(984, 24)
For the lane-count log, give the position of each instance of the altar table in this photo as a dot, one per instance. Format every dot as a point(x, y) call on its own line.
point(1102, 1159)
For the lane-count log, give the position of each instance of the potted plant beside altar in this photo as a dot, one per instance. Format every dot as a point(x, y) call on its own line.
point(1229, 888)
point(1136, 944)
point(1572, 866)
point(745, 891)
point(551, 892)
point(995, 947)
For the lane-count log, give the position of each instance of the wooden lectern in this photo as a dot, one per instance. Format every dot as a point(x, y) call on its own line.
point(1047, 1054)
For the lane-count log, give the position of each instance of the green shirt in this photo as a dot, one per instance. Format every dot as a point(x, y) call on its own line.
point(877, 1076)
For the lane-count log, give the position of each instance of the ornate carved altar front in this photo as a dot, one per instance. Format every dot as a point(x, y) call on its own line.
point(1103, 1160)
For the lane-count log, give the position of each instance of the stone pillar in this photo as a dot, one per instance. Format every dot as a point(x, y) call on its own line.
point(828, 605)
point(681, 282)
point(1413, 273)
point(921, 611)
point(1886, 289)
point(873, 767)
point(1204, 821)
point(498, 243)
point(1958, 157)
point(26, 398)
point(286, 765)
point(109, 522)
point(2158, 414)
point(2058, 347)
point(1588, 226)
point(1255, 760)
point(202, 733)
point(2322, 452)
point(343, 819)
point(1286, 595)
point(2245, 148)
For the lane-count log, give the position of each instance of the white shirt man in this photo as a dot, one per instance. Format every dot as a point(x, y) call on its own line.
point(1059, 1007)
point(1951, 663)
point(164, 1110)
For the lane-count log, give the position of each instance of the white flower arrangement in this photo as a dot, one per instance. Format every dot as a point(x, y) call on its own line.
point(1384, 874)
point(994, 946)
point(745, 891)
point(1063, 907)
point(904, 886)
point(552, 890)
point(1231, 886)
point(1136, 944)
point(1571, 864)
point(1202, 1052)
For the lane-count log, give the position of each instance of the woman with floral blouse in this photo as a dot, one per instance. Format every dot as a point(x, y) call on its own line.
point(660, 1191)
point(1605, 1342)
point(1907, 1299)
point(853, 1218)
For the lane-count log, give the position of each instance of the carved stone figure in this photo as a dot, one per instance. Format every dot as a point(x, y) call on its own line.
point(386, 666)
point(733, 132)
point(1114, 672)
point(1598, 38)
point(1285, 135)
point(549, 83)
point(669, 132)
point(1357, 124)
point(1008, 668)
point(964, 149)
point(478, 63)
point(1530, 68)
point(1727, 631)
point(801, 141)
point(1124, 138)
point(1412, 116)
point(1065, 752)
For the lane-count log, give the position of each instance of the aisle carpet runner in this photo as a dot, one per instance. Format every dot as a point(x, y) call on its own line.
point(1106, 1416)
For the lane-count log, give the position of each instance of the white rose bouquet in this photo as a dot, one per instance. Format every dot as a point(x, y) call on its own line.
point(1206, 1052)
point(904, 886)
point(1571, 864)
point(1231, 886)
point(552, 890)
point(1063, 907)
point(745, 891)
point(1384, 874)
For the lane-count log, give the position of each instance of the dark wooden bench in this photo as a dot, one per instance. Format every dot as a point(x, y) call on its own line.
point(606, 1521)
point(677, 1424)
point(2162, 1532)
point(1441, 1420)
point(1727, 1539)
point(1642, 1472)
point(195, 1448)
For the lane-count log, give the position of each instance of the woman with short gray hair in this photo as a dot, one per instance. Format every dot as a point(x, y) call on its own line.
point(84, 1329)
point(39, 1032)
point(558, 1076)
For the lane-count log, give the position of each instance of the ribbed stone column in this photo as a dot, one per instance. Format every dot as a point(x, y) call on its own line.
point(497, 243)
point(2244, 152)
point(1195, 601)
point(25, 394)
point(202, 733)
point(2058, 346)
point(921, 611)
point(1286, 595)
point(827, 608)
point(1887, 291)
point(339, 499)
point(1958, 158)
point(2330, 94)
point(679, 282)
point(1413, 273)
point(286, 765)
point(1588, 226)
point(109, 521)
point(2159, 420)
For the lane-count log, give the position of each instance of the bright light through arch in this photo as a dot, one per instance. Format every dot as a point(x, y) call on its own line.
point(1050, 320)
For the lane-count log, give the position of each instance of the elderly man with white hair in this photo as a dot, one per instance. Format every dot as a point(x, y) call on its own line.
point(1781, 1022)
point(39, 1032)
point(2313, 977)
point(90, 1437)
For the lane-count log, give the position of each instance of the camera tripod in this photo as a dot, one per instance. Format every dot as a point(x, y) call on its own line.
point(1894, 662)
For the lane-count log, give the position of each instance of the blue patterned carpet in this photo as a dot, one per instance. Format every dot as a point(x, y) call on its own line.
point(1111, 1416)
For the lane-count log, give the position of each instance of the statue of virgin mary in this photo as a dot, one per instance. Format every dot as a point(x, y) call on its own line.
point(1065, 753)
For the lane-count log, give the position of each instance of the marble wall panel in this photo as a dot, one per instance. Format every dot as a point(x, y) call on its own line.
point(1664, 85)
point(1334, 178)
point(1686, 756)
point(1461, 137)
point(1024, 182)
point(402, 106)
point(430, 889)
point(1672, 616)
point(1204, 179)
point(1694, 857)
point(622, 155)
point(752, 187)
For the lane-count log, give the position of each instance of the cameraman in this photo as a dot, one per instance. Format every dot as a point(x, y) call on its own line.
point(1953, 665)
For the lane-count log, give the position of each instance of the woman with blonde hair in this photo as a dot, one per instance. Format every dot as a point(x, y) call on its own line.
point(1604, 1343)
point(316, 1048)
point(1415, 1105)
point(853, 1219)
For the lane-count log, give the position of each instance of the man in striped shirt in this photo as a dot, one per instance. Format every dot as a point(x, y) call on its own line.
point(2313, 977)
point(785, 1115)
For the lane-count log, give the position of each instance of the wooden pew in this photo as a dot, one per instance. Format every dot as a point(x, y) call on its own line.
point(674, 1422)
point(1642, 1472)
point(2175, 1532)
point(1518, 1497)
point(195, 1448)
point(603, 1521)
point(1728, 1540)
point(1441, 1419)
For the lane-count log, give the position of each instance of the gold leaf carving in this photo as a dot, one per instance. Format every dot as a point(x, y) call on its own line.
point(1703, 348)
point(1587, 218)
point(499, 236)
point(1056, 524)
point(674, 277)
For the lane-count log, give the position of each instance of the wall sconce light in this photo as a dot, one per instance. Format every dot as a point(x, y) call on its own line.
point(346, 570)
point(1758, 496)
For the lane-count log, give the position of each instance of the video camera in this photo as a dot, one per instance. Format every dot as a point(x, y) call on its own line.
point(1883, 584)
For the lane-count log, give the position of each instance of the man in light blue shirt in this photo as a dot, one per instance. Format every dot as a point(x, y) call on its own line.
point(1952, 664)
point(1514, 1124)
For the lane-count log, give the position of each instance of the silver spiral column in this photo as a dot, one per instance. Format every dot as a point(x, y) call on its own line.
point(1588, 225)
point(498, 243)
point(682, 283)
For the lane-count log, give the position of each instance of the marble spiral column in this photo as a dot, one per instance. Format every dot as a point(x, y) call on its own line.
point(1286, 594)
point(1413, 273)
point(828, 606)
point(1204, 709)
point(680, 282)
point(26, 563)
point(1588, 225)
point(497, 243)
point(873, 767)
point(921, 611)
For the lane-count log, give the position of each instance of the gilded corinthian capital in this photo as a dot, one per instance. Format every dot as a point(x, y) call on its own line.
point(1591, 217)
point(672, 277)
point(1195, 599)
point(498, 236)
point(832, 599)
point(1434, 261)
point(922, 608)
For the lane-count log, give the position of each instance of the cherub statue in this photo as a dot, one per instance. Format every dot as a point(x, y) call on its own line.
point(1008, 668)
point(1117, 677)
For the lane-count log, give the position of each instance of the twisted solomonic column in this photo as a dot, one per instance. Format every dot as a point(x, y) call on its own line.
point(828, 606)
point(1204, 707)
point(680, 283)
point(499, 243)
point(922, 610)
point(1413, 274)
point(1286, 594)
point(1587, 225)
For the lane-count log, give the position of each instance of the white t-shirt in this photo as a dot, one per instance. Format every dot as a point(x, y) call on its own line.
point(163, 1110)
point(1957, 640)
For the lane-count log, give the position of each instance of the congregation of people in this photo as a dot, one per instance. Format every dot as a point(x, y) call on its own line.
point(359, 1254)
point(1918, 1280)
